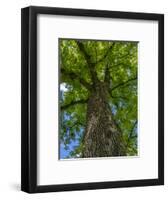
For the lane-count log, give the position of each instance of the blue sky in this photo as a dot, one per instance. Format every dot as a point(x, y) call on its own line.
point(64, 153)
point(73, 143)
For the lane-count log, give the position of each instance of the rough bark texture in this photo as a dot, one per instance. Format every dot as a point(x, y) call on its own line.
point(102, 135)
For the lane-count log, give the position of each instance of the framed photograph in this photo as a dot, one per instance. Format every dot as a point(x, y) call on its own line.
point(92, 99)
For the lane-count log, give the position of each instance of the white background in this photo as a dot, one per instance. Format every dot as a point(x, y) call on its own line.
point(50, 169)
point(10, 100)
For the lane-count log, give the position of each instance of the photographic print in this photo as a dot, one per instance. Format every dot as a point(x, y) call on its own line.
point(98, 98)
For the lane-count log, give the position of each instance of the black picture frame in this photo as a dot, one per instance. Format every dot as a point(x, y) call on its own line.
point(29, 98)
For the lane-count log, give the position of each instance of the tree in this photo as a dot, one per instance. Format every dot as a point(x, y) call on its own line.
point(99, 99)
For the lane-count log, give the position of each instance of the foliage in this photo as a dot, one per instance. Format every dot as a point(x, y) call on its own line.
point(121, 59)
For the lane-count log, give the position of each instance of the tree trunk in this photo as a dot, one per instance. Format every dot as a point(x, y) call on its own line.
point(102, 137)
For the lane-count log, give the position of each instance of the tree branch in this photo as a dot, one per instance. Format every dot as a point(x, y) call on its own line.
point(124, 83)
point(131, 132)
point(106, 54)
point(84, 52)
point(118, 97)
point(107, 77)
point(72, 103)
point(73, 75)
point(107, 71)
point(76, 124)
point(90, 64)
point(125, 55)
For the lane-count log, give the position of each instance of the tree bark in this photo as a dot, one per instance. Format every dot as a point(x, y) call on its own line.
point(102, 137)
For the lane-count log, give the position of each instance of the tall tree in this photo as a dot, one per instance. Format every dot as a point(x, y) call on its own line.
point(99, 100)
